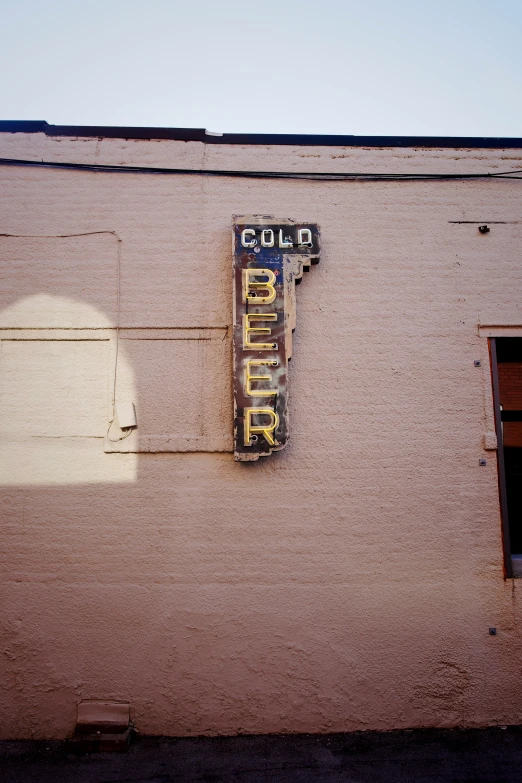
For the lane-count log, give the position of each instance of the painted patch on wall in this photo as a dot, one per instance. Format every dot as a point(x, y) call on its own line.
point(270, 256)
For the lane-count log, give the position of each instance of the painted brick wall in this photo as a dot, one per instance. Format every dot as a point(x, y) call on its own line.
point(346, 583)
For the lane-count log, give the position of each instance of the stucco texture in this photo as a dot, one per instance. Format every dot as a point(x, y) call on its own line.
point(345, 583)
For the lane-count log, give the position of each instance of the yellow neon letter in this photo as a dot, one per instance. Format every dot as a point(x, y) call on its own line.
point(265, 329)
point(268, 286)
point(265, 431)
point(249, 378)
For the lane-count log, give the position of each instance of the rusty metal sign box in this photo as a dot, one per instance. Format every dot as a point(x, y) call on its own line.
point(270, 256)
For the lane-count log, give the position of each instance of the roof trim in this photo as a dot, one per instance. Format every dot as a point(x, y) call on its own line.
point(298, 139)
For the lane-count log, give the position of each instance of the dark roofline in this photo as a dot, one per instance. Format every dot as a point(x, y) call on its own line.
point(294, 139)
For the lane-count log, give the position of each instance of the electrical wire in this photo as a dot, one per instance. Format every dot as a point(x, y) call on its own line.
point(126, 430)
point(296, 175)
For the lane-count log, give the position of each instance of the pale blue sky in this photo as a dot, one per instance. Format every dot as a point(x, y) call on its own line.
point(379, 68)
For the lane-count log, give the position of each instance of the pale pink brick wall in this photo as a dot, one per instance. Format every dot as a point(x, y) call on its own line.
point(346, 583)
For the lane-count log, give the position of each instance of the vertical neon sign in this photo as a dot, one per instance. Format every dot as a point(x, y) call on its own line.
point(269, 258)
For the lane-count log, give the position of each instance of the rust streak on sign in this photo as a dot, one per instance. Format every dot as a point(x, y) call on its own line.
point(269, 258)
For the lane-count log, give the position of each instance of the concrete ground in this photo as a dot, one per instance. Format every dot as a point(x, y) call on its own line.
point(419, 756)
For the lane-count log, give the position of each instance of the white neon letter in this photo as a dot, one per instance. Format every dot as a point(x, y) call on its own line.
point(267, 232)
point(249, 232)
point(305, 237)
point(282, 242)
